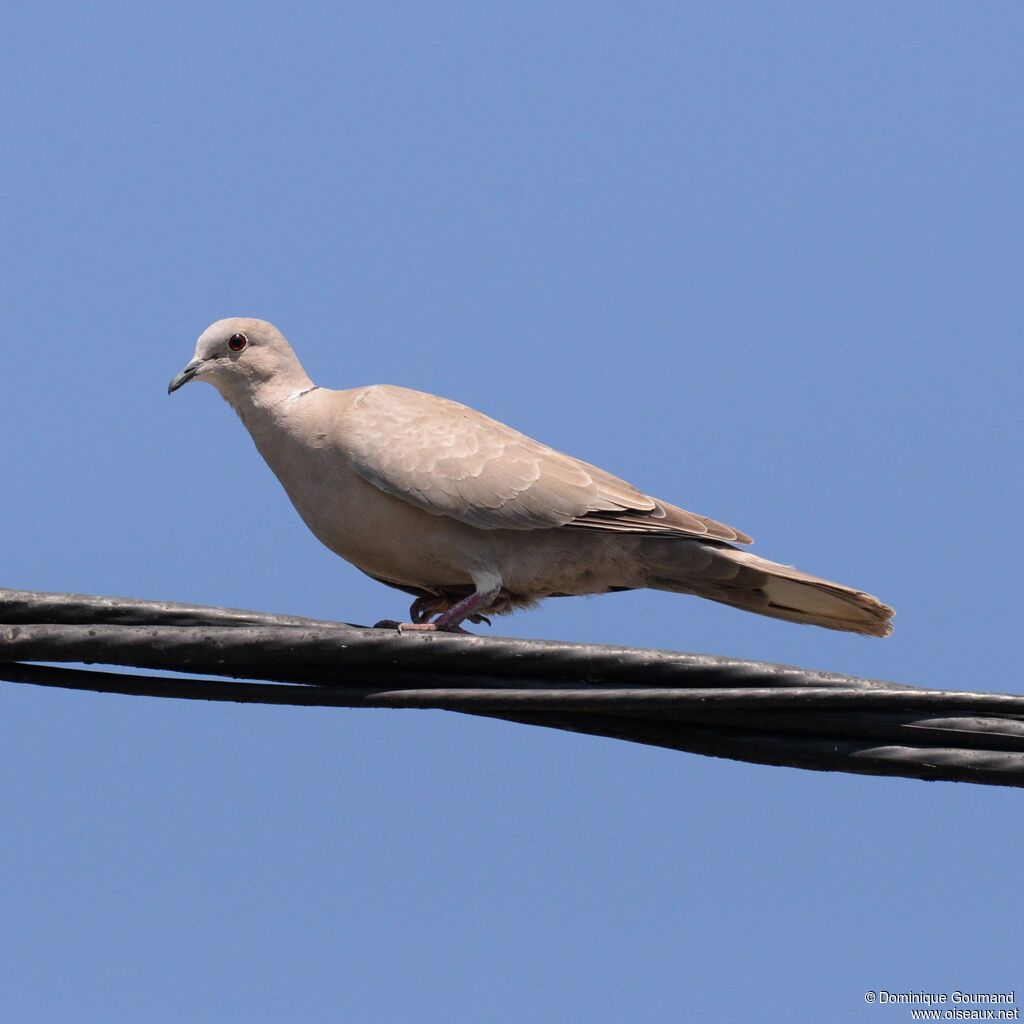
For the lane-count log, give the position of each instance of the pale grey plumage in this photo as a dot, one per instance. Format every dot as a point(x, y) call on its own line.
point(472, 516)
point(451, 460)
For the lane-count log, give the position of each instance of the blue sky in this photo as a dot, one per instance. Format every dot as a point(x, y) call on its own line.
point(763, 260)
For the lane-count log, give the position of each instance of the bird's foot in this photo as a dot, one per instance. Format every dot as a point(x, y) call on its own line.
point(424, 607)
point(423, 627)
point(449, 616)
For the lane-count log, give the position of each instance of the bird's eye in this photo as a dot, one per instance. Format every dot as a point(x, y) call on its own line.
point(237, 342)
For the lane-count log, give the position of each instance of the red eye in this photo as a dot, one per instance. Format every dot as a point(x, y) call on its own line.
point(237, 342)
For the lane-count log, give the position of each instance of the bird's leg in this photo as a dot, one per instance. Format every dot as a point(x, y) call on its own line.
point(467, 608)
point(423, 607)
point(451, 618)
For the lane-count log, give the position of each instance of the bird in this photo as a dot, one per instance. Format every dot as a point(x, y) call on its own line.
point(473, 518)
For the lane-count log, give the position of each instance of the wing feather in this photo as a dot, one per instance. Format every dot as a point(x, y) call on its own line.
point(450, 460)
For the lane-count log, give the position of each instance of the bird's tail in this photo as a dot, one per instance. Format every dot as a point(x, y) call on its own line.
point(723, 573)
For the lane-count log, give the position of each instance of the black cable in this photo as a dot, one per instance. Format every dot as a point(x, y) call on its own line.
point(749, 711)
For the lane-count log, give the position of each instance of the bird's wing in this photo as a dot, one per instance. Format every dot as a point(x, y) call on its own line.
point(450, 460)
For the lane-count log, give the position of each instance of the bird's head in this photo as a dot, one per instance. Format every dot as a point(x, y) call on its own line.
point(240, 355)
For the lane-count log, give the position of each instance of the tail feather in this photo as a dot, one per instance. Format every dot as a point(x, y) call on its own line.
point(743, 580)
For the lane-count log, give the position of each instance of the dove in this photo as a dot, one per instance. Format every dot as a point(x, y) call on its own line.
point(473, 518)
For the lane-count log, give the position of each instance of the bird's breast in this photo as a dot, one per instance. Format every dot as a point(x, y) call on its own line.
point(381, 534)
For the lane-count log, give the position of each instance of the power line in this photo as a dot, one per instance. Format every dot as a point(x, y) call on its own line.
point(724, 707)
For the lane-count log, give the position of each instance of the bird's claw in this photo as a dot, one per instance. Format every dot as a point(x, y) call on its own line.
point(420, 627)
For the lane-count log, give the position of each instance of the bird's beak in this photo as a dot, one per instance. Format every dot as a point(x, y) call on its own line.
point(185, 376)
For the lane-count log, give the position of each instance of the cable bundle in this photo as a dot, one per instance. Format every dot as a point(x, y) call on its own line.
point(723, 707)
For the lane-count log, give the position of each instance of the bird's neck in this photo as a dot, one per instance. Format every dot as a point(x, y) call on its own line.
point(265, 407)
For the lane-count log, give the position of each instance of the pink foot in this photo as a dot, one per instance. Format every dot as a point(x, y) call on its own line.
point(421, 627)
point(451, 617)
point(424, 607)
